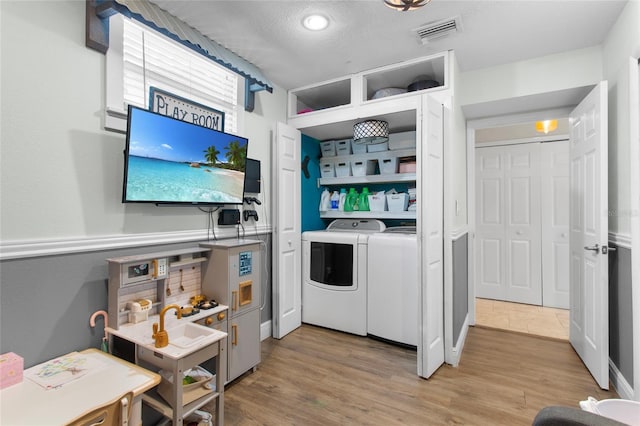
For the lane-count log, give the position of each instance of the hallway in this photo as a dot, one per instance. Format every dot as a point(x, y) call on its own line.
point(521, 318)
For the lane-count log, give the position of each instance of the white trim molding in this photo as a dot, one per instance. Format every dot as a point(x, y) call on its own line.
point(456, 234)
point(621, 240)
point(457, 349)
point(621, 385)
point(53, 247)
point(265, 330)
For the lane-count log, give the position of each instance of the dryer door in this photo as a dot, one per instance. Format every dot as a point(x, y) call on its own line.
point(330, 261)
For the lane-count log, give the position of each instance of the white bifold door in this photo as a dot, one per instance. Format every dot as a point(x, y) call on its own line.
point(287, 245)
point(554, 215)
point(508, 253)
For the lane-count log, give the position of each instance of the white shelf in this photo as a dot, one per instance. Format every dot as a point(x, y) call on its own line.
point(368, 215)
point(187, 262)
point(369, 179)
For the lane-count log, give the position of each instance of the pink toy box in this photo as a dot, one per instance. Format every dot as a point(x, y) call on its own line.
point(11, 367)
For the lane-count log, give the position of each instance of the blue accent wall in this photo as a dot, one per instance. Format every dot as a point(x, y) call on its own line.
point(310, 200)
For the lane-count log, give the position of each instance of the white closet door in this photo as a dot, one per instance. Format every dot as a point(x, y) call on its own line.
point(490, 223)
point(555, 224)
point(522, 202)
point(508, 228)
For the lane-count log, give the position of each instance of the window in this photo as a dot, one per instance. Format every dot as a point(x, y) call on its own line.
point(140, 58)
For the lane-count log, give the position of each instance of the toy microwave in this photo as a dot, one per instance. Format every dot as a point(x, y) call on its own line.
point(140, 272)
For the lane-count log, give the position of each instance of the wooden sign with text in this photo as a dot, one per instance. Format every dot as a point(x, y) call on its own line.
point(183, 109)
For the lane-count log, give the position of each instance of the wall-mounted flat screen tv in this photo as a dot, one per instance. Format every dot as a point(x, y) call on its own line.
point(169, 161)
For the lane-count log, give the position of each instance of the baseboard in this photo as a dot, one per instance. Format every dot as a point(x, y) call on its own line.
point(456, 353)
point(621, 385)
point(265, 330)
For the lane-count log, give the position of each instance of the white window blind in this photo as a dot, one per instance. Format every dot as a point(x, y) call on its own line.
point(152, 60)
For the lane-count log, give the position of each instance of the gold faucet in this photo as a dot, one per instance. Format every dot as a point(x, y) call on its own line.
point(160, 335)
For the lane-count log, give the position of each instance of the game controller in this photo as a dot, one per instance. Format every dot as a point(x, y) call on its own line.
point(250, 213)
point(250, 200)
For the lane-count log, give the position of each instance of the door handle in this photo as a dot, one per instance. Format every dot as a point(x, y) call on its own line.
point(234, 330)
point(234, 300)
point(595, 248)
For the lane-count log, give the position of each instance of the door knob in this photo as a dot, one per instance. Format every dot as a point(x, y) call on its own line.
point(595, 248)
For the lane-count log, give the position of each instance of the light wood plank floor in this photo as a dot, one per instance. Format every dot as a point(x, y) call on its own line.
point(316, 376)
point(530, 319)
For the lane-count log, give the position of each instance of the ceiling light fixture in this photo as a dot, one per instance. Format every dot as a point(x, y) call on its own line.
point(404, 5)
point(315, 22)
point(546, 126)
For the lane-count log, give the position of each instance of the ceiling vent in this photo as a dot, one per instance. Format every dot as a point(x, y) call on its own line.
point(438, 29)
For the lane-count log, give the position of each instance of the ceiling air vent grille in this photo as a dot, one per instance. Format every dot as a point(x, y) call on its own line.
point(438, 29)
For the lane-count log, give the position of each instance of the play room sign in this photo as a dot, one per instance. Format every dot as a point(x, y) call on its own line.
point(183, 109)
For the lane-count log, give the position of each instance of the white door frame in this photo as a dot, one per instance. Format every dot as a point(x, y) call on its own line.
point(472, 126)
point(634, 141)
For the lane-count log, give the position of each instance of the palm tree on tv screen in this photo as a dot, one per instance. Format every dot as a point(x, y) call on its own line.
point(211, 155)
point(236, 154)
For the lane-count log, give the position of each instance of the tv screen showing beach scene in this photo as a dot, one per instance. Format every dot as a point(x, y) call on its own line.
point(169, 161)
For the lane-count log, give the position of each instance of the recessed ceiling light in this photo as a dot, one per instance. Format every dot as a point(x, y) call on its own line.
point(315, 22)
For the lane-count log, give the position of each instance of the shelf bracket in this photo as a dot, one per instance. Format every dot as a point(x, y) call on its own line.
point(97, 24)
point(250, 89)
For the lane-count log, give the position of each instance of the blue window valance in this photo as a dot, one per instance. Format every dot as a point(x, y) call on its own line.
point(152, 15)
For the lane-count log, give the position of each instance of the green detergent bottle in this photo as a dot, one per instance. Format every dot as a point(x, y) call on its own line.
point(363, 200)
point(351, 200)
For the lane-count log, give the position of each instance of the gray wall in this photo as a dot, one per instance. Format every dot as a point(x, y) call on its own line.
point(620, 312)
point(46, 302)
point(460, 284)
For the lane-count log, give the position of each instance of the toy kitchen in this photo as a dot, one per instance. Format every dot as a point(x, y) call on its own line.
point(184, 312)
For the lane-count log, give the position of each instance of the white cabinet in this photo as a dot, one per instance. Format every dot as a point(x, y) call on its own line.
point(233, 278)
point(362, 88)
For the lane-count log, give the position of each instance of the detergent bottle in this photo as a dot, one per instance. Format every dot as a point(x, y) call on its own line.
point(350, 200)
point(325, 200)
point(363, 200)
point(343, 196)
point(335, 200)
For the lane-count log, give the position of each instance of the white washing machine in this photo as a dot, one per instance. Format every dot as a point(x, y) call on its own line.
point(392, 295)
point(334, 284)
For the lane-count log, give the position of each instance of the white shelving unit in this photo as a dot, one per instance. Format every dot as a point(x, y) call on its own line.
point(336, 105)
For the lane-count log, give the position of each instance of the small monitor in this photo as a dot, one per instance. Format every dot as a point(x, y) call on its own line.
point(252, 176)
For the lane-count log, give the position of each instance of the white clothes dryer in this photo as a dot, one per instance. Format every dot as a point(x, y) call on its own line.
point(392, 294)
point(334, 285)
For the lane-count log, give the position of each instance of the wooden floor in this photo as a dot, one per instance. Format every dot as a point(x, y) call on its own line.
point(316, 376)
point(529, 319)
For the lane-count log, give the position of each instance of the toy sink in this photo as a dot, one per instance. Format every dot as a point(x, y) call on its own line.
point(189, 334)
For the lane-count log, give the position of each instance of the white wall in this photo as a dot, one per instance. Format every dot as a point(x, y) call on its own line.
point(561, 71)
point(61, 173)
point(622, 42)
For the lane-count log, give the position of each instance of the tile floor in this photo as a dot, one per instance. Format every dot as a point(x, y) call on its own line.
point(530, 319)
